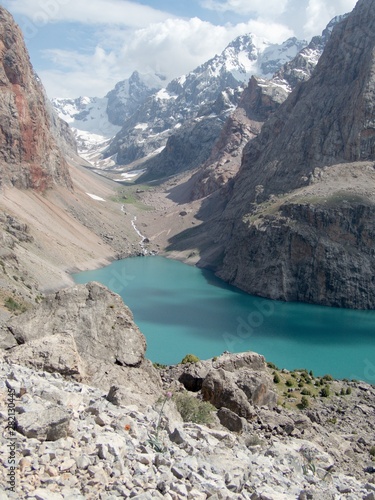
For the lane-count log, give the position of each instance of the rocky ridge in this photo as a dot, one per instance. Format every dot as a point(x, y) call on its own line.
point(202, 100)
point(315, 152)
point(87, 333)
point(30, 155)
point(258, 101)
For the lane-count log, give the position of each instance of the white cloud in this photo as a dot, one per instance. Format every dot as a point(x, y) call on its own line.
point(128, 36)
point(117, 12)
point(172, 48)
point(320, 12)
point(269, 8)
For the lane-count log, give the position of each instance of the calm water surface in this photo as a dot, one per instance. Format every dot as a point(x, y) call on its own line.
point(182, 309)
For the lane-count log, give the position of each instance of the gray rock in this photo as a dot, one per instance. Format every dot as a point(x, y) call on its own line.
point(102, 326)
point(7, 340)
point(237, 386)
point(45, 494)
point(178, 436)
point(49, 425)
point(87, 332)
point(231, 420)
point(53, 353)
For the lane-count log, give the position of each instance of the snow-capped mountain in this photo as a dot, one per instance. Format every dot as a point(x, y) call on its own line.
point(195, 94)
point(216, 147)
point(136, 119)
point(96, 120)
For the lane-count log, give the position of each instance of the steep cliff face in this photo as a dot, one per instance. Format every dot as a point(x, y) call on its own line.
point(258, 101)
point(274, 241)
point(327, 120)
point(29, 154)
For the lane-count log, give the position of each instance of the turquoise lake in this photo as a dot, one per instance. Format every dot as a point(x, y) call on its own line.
point(182, 309)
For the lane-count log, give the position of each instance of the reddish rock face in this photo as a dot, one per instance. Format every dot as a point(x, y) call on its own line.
point(29, 155)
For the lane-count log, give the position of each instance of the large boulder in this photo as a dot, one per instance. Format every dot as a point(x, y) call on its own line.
point(233, 381)
point(220, 389)
point(87, 333)
point(49, 425)
point(102, 326)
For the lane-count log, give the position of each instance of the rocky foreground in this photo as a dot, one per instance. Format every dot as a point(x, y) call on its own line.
point(85, 416)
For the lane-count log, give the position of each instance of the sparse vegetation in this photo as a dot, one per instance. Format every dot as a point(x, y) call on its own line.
point(13, 306)
point(128, 196)
point(324, 392)
point(193, 409)
point(159, 366)
point(372, 451)
point(348, 391)
point(190, 358)
point(304, 402)
point(272, 365)
point(276, 378)
point(289, 383)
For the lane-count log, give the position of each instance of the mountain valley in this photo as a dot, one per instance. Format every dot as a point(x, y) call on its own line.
point(258, 165)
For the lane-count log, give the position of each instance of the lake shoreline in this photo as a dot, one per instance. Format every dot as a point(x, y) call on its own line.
point(290, 334)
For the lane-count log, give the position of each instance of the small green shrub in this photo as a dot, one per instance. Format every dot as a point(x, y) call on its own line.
point(328, 378)
point(276, 378)
point(372, 451)
point(301, 384)
point(159, 366)
point(190, 358)
point(332, 420)
point(14, 306)
point(342, 392)
point(305, 392)
point(272, 365)
point(289, 382)
point(214, 358)
point(324, 392)
point(304, 402)
point(348, 391)
point(193, 409)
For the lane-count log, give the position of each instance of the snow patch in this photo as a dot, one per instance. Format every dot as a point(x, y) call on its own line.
point(94, 197)
point(141, 126)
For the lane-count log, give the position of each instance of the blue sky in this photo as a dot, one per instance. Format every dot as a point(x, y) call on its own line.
point(84, 47)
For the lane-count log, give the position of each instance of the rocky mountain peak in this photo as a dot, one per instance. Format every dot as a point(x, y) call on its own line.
point(306, 183)
point(129, 94)
point(329, 118)
point(29, 155)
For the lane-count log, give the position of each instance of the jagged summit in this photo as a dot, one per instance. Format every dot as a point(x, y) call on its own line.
point(149, 112)
point(213, 88)
point(128, 94)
